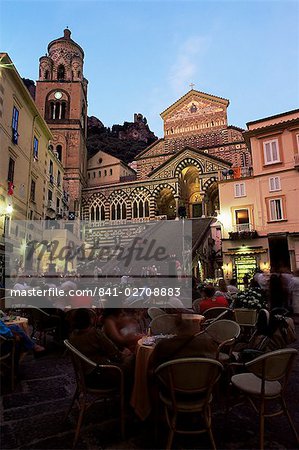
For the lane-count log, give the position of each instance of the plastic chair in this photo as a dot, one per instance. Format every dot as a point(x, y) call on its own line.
point(165, 324)
point(155, 312)
point(83, 392)
point(265, 381)
point(185, 386)
point(224, 333)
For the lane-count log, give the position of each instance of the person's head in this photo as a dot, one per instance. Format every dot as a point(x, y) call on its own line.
point(82, 319)
point(222, 285)
point(115, 313)
point(209, 291)
point(233, 282)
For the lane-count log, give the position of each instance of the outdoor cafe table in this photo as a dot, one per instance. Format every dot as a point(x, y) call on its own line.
point(140, 399)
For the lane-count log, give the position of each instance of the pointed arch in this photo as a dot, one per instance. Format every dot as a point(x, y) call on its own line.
point(118, 205)
point(140, 203)
point(97, 209)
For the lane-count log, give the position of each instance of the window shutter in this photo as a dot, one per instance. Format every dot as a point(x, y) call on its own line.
point(242, 190)
point(237, 190)
point(267, 152)
point(277, 183)
point(274, 151)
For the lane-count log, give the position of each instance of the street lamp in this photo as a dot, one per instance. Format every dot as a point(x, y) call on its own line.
point(8, 211)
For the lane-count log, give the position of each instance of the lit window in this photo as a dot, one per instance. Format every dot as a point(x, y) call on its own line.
point(240, 190)
point(276, 210)
point(271, 152)
point(274, 184)
point(242, 220)
point(35, 148)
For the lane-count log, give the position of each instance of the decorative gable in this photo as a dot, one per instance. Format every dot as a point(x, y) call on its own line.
point(205, 164)
point(196, 112)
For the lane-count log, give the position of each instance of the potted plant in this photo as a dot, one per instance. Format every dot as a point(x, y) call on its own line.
point(247, 305)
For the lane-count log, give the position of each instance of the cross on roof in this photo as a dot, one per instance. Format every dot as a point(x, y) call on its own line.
point(191, 86)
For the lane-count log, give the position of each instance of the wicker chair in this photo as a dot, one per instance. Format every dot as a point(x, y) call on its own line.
point(225, 333)
point(155, 312)
point(185, 386)
point(164, 324)
point(83, 392)
point(265, 381)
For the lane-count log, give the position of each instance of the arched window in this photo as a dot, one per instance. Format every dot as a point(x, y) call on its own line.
point(59, 152)
point(118, 208)
point(47, 75)
point(140, 204)
point(57, 110)
point(97, 210)
point(63, 110)
point(60, 72)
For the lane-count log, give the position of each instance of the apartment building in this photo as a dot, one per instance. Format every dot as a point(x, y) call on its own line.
point(30, 171)
point(259, 212)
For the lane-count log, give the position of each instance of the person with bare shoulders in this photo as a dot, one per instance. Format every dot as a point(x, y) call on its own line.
point(120, 328)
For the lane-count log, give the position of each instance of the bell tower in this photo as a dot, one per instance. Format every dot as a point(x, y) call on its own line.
point(61, 96)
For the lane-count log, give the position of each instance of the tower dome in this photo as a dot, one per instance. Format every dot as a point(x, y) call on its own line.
point(64, 60)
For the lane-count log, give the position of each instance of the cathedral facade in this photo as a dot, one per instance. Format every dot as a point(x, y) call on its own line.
point(176, 176)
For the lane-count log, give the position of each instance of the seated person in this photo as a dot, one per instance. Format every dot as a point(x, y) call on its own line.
point(187, 344)
point(211, 301)
point(120, 328)
point(23, 341)
point(94, 344)
point(223, 291)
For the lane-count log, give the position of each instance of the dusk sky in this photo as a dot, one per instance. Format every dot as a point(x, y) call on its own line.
point(142, 56)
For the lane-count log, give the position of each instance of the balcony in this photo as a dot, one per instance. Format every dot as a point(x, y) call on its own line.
point(236, 173)
point(243, 231)
point(296, 161)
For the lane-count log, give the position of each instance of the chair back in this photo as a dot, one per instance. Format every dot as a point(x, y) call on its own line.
point(223, 330)
point(218, 313)
point(195, 304)
point(164, 324)
point(155, 312)
point(273, 366)
point(189, 376)
point(78, 360)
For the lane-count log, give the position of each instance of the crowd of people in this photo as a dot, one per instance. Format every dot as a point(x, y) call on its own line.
point(111, 334)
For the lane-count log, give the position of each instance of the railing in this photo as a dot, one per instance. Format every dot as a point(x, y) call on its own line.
point(243, 227)
point(243, 231)
point(236, 173)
